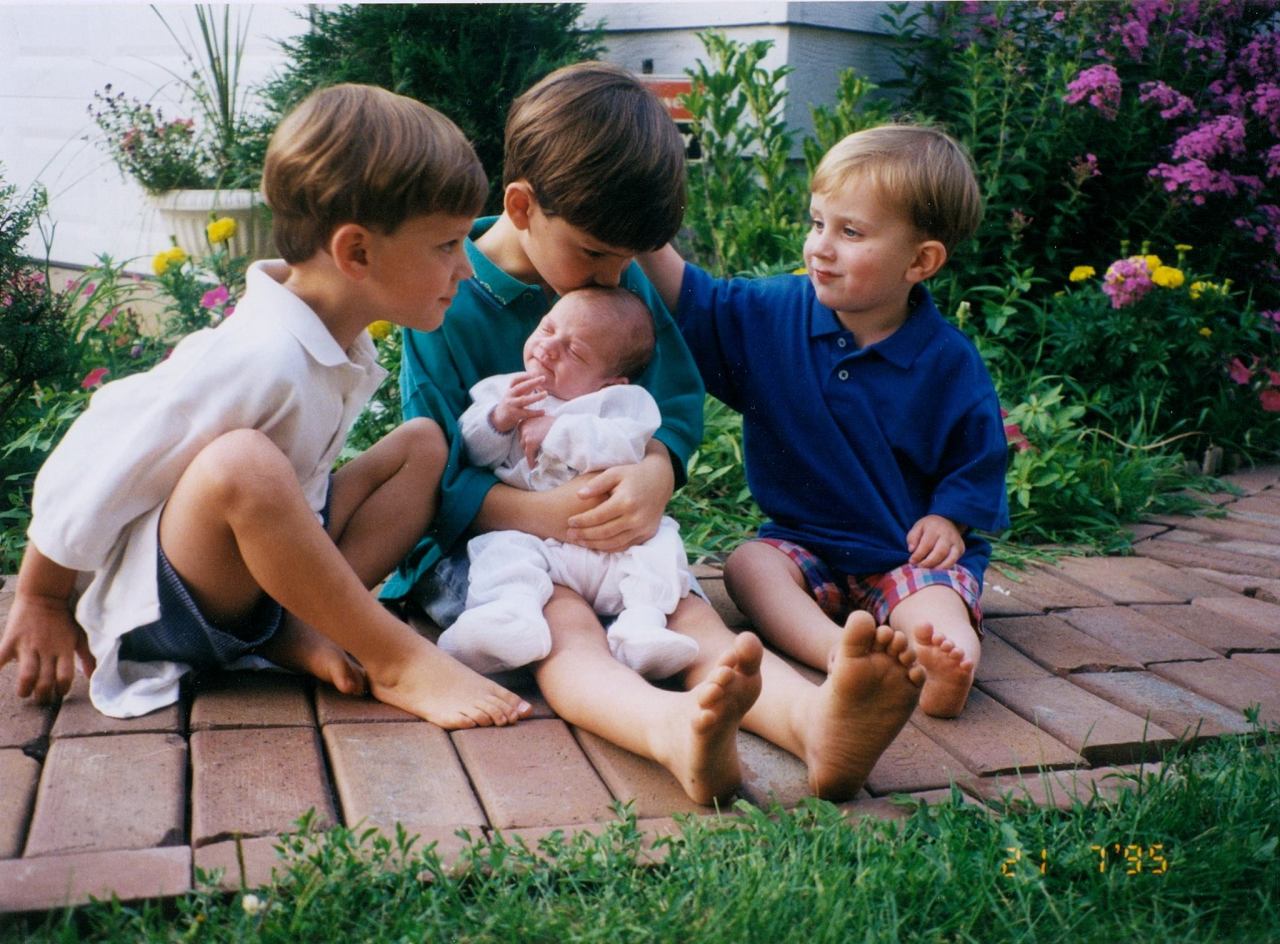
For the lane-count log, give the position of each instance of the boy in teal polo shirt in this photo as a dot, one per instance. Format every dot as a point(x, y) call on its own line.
point(594, 173)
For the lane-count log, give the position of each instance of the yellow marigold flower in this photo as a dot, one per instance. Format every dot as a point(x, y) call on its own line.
point(220, 230)
point(1206, 332)
point(1080, 273)
point(800, 271)
point(381, 330)
point(1182, 247)
point(1153, 262)
point(169, 259)
point(1167, 276)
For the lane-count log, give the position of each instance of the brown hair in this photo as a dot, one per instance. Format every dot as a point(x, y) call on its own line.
point(600, 151)
point(626, 320)
point(361, 154)
point(921, 170)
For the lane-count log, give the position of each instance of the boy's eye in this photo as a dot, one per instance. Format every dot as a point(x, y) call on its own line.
point(816, 224)
point(850, 231)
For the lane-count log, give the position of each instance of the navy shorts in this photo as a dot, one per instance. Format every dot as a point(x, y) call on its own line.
point(184, 634)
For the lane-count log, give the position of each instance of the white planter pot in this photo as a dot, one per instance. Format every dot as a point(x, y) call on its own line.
point(186, 213)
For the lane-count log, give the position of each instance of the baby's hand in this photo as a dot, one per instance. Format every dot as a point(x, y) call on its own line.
point(513, 408)
point(935, 542)
point(532, 432)
point(45, 640)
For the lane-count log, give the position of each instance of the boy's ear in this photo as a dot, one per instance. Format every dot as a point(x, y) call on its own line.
point(518, 203)
point(349, 246)
point(615, 381)
point(930, 257)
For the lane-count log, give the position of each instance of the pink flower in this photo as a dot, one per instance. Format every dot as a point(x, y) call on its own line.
point(228, 311)
point(108, 319)
point(1013, 433)
point(1100, 87)
point(94, 378)
point(1238, 372)
point(215, 297)
point(1270, 400)
point(1173, 104)
point(89, 288)
point(1127, 281)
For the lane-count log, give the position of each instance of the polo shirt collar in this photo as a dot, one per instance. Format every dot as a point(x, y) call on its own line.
point(271, 300)
point(501, 287)
point(903, 346)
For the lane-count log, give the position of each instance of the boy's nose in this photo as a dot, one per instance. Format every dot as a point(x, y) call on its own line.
point(610, 276)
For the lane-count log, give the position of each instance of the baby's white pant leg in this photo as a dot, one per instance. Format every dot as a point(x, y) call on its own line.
point(503, 626)
point(647, 582)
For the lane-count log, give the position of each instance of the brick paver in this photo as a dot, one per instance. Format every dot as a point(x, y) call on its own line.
point(138, 798)
point(256, 782)
point(1059, 788)
point(1053, 643)
point(1061, 685)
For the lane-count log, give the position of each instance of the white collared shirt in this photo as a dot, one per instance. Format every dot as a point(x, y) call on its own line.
point(274, 367)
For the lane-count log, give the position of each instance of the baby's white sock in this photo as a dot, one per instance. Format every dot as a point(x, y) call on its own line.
point(639, 638)
point(499, 635)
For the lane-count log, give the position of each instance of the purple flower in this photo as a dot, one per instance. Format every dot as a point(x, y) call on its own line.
point(215, 297)
point(1126, 281)
point(1100, 87)
point(1218, 137)
point(1084, 167)
point(1173, 104)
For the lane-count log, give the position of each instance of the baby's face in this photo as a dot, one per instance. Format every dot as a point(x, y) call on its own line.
point(572, 352)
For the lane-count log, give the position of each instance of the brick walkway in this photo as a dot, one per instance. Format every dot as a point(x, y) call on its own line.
point(1089, 667)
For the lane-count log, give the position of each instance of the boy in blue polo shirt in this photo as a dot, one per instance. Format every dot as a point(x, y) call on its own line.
point(871, 429)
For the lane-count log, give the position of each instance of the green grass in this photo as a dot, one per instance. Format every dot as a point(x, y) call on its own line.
point(946, 874)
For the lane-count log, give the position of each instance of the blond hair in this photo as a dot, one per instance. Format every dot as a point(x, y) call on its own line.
point(625, 321)
point(921, 170)
point(600, 151)
point(361, 154)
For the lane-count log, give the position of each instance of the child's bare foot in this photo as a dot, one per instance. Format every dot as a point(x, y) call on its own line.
point(299, 647)
point(699, 741)
point(871, 690)
point(948, 672)
point(440, 689)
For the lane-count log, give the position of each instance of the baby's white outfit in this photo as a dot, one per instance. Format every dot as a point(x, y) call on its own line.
point(512, 572)
point(272, 367)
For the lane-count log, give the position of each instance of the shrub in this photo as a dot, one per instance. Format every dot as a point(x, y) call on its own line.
point(468, 61)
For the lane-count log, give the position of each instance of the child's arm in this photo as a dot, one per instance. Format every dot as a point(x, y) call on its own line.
point(665, 270)
point(41, 633)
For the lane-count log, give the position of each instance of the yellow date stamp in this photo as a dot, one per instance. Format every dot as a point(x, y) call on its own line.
point(1132, 858)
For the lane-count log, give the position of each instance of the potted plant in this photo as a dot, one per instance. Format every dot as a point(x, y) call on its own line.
point(194, 169)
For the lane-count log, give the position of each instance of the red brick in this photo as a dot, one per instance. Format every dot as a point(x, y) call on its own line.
point(251, 700)
point(1145, 530)
point(913, 763)
point(1001, 661)
point(61, 881)
point(1049, 590)
point(23, 723)
point(1178, 711)
point(1213, 631)
point(988, 738)
point(532, 774)
point(1135, 634)
point(1228, 683)
point(540, 840)
point(1220, 531)
point(1182, 554)
point(882, 807)
point(262, 862)
point(1057, 788)
point(127, 791)
point(256, 782)
point(400, 773)
point(1254, 480)
point(78, 718)
point(333, 707)
point(1261, 615)
point(1060, 648)
point(1260, 588)
point(1118, 578)
point(999, 600)
point(1261, 507)
point(648, 786)
point(18, 776)
point(1102, 732)
point(770, 774)
point(1267, 663)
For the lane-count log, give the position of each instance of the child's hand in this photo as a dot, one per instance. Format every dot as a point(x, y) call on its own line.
point(532, 431)
point(935, 542)
point(636, 494)
point(513, 408)
point(45, 640)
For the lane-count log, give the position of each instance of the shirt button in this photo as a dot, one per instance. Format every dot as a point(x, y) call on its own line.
point(843, 375)
point(842, 342)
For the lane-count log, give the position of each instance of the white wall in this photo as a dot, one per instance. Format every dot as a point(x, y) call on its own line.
point(53, 57)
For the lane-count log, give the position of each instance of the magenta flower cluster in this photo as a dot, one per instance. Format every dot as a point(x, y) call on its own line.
point(1127, 281)
point(1100, 87)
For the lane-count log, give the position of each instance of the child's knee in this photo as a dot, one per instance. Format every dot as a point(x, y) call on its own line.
point(239, 466)
point(424, 442)
point(755, 561)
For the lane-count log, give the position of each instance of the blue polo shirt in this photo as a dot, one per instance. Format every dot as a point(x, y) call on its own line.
point(483, 334)
point(846, 448)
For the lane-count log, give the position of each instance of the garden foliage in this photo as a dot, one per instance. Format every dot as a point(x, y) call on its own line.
point(467, 60)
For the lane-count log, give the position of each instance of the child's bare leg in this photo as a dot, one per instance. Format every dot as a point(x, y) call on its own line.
point(693, 734)
point(772, 593)
point(936, 621)
point(237, 524)
point(839, 728)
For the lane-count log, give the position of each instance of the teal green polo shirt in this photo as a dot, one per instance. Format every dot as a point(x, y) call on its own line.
point(483, 333)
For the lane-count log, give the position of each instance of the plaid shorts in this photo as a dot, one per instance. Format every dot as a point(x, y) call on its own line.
point(839, 594)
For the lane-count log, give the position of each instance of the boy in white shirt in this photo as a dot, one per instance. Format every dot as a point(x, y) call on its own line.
point(192, 510)
point(571, 411)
